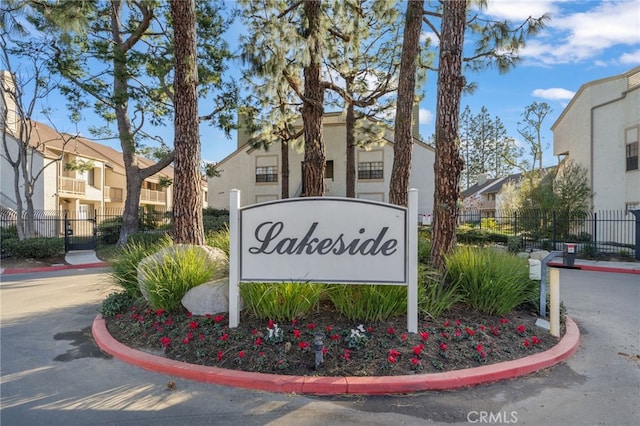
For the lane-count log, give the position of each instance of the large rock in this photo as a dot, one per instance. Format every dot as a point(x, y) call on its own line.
point(208, 298)
point(539, 255)
point(213, 255)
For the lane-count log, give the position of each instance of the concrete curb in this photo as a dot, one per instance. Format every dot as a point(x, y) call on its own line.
point(567, 346)
point(10, 271)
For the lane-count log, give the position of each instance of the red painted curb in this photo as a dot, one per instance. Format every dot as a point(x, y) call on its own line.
point(52, 268)
point(567, 346)
point(598, 268)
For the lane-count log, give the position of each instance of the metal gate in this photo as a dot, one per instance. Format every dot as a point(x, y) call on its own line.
point(81, 233)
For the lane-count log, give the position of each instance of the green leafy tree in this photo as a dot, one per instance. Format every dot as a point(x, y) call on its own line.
point(121, 64)
point(496, 44)
point(531, 130)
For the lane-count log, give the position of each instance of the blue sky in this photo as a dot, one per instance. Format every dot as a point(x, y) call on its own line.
point(584, 41)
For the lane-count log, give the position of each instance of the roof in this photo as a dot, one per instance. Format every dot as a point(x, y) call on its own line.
point(477, 187)
point(45, 138)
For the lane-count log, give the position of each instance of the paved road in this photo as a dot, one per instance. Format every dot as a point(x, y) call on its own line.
point(52, 374)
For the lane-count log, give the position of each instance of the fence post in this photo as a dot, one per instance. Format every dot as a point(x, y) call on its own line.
point(515, 223)
point(636, 213)
point(596, 252)
point(553, 230)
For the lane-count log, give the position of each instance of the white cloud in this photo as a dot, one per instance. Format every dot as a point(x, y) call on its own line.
point(554, 93)
point(631, 58)
point(425, 116)
point(519, 10)
point(581, 36)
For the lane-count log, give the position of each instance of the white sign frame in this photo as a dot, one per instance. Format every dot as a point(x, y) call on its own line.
point(333, 240)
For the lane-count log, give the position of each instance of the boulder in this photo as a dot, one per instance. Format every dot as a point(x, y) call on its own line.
point(213, 255)
point(208, 298)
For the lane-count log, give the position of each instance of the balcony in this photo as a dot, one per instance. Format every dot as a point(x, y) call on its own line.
point(154, 197)
point(487, 205)
point(112, 195)
point(70, 186)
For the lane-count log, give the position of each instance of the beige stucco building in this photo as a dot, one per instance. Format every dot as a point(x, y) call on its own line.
point(600, 130)
point(257, 172)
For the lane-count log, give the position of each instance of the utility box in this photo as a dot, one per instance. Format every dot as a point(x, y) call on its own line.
point(535, 269)
point(569, 254)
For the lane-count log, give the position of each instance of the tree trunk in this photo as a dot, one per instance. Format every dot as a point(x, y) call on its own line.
point(403, 138)
point(351, 149)
point(448, 163)
point(187, 204)
point(313, 105)
point(284, 153)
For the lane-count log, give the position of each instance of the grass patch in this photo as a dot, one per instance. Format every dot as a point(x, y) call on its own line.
point(281, 301)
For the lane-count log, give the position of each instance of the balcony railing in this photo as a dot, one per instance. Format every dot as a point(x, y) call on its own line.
point(67, 185)
point(151, 196)
point(487, 205)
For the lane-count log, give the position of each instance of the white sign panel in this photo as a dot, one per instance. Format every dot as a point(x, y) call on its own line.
point(323, 239)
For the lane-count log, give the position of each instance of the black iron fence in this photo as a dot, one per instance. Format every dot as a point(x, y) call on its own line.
point(610, 232)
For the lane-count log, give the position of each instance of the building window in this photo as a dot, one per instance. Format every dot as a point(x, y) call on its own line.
point(632, 156)
point(328, 170)
point(266, 174)
point(370, 170)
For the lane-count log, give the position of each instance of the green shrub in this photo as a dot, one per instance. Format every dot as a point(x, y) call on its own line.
point(368, 302)
point(436, 297)
point(219, 239)
point(125, 263)
point(116, 303)
point(8, 232)
point(169, 278)
point(515, 244)
point(109, 230)
point(34, 248)
point(214, 223)
point(489, 223)
point(281, 301)
point(424, 250)
point(472, 236)
point(490, 281)
point(148, 238)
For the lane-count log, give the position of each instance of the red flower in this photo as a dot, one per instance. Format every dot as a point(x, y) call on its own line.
point(526, 343)
point(296, 334)
point(446, 323)
point(218, 318)
point(185, 340)
point(159, 311)
point(219, 358)
point(303, 345)
point(390, 330)
point(254, 331)
point(458, 332)
point(328, 328)
point(417, 349)
point(347, 355)
point(258, 341)
point(224, 337)
point(324, 350)
point(294, 321)
point(458, 322)
point(311, 326)
point(391, 359)
point(335, 337)
point(479, 347)
point(520, 328)
point(189, 314)
point(482, 327)
point(270, 324)
point(445, 335)
point(165, 341)
point(535, 340)
point(241, 354)
point(119, 316)
point(504, 321)
point(190, 335)
point(193, 325)
point(496, 331)
point(424, 336)
point(469, 331)
point(261, 354)
point(443, 346)
point(404, 337)
point(415, 361)
point(393, 352)
point(201, 337)
point(483, 354)
point(370, 329)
